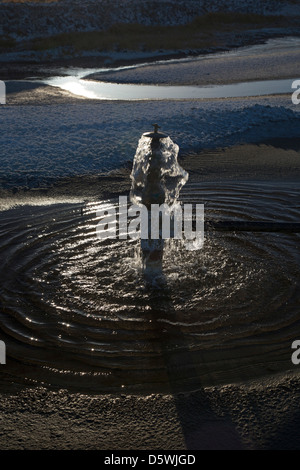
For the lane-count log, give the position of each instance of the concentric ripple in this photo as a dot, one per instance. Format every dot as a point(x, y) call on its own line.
point(77, 312)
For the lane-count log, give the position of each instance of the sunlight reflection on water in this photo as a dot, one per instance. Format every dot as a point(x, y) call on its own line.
point(115, 91)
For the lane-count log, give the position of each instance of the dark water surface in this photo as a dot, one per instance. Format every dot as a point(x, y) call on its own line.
point(76, 311)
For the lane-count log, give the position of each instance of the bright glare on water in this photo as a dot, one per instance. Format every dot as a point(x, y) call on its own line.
point(115, 91)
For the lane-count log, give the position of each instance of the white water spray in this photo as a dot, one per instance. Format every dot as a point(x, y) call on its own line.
point(157, 178)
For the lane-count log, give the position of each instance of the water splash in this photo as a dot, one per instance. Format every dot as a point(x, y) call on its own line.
point(156, 175)
point(157, 178)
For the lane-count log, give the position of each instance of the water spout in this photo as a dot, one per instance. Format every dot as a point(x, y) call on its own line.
point(156, 178)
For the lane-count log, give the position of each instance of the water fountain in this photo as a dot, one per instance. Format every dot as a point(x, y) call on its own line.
point(157, 178)
point(76, 312)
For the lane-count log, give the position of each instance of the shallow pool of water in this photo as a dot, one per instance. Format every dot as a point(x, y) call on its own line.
point(78, 313)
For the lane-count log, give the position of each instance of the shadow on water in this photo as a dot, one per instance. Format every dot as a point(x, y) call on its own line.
point(202, 428)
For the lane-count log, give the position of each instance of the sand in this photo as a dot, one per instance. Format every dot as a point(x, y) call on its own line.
point(277, 59)
point(260, 415)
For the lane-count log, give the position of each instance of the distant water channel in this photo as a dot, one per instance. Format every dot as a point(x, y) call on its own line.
point(115, 91)
point(75, 81)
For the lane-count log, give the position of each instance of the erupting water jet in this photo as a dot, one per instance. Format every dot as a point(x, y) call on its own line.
point(157, 178)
